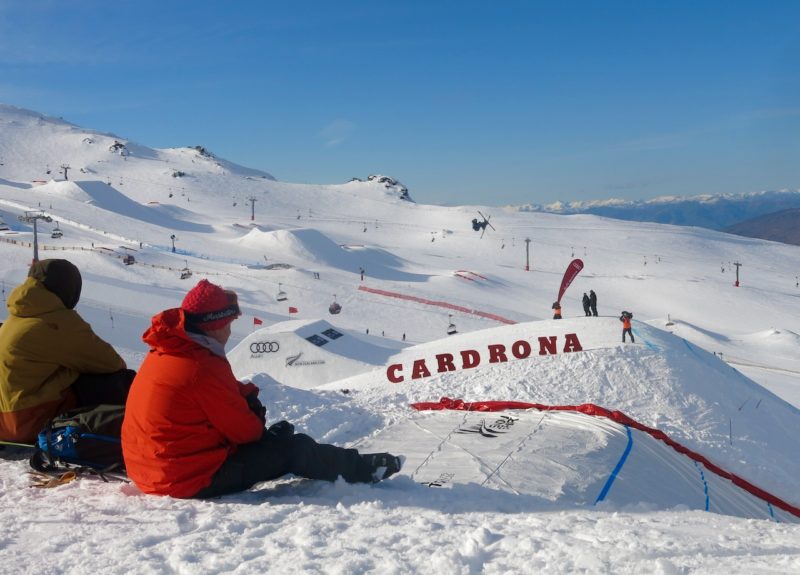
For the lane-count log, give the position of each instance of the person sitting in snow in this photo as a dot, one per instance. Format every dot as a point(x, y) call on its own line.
point(50, 359)
point(191, 430)
point(556, 310)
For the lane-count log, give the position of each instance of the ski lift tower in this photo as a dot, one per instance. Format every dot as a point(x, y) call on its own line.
point(252, 200)
point(527, 254)
point(32, 218)
point(737, 264)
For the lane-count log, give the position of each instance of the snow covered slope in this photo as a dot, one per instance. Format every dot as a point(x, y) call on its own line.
point(424, 269)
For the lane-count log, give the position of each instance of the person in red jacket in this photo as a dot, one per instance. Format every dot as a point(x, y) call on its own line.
point(625, 318)
point(192, 430)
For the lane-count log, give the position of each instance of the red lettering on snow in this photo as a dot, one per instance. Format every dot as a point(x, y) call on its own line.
point(445, 362)
point(470, 358)
point(572, 343)
point(391, 373)
point(521, 349)
point(497, 353)
point(420, 369)
point(547, 345)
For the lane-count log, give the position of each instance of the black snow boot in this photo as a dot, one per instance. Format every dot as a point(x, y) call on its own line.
point(382, 465)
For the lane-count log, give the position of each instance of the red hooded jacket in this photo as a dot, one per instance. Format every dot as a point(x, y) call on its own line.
point(185, 414)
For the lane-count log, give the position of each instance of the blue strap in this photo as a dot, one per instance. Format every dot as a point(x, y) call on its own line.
point(705, 484)
point(617, 469)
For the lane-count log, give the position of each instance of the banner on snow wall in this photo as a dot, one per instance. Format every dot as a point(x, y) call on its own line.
point(573, 269)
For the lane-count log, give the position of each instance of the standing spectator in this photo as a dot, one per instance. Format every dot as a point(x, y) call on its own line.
point(586, 305)
point(556, 310)
point(50, 359)
point(625, 318)
point(593, 302)
point(192, 430)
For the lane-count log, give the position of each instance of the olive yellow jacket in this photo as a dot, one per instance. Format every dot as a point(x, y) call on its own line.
point(44, 347)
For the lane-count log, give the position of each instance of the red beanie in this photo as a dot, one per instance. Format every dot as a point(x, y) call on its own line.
point(208, 307)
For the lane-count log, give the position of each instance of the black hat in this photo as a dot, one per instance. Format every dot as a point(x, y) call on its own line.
point(60, 277)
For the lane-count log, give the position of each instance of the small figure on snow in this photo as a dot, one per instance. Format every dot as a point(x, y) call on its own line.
point(586, 309)
point(625, 318)
point(556, 310)
point(192, 430)
point(593, 302)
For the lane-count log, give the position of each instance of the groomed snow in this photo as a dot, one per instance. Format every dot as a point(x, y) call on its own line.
point(723, 379)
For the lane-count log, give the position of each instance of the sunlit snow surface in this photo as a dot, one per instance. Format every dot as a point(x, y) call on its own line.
point(723, 379)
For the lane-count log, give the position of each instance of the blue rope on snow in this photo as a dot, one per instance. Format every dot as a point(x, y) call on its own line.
point(771, 512)
point(617, 468)
point(705, 484)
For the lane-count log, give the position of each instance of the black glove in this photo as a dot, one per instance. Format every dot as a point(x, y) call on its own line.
point(282, 429)
point(257, 407)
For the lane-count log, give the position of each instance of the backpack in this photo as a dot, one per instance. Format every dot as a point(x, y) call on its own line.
point(87, 438)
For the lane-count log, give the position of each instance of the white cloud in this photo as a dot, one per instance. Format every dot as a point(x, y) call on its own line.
point(337, 132)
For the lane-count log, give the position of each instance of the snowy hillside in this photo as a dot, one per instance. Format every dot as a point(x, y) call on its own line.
point(715, 367)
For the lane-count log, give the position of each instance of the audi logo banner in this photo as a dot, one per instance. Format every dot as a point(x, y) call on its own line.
point(264, 347)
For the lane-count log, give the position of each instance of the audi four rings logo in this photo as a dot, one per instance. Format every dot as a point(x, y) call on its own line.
point(264, 347)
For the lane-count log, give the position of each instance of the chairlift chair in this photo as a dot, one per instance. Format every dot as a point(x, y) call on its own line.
point(281, 294)
point(451, 328)
point(56, 233)
point(334, 308)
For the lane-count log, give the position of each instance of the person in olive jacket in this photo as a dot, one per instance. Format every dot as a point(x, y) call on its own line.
point(192, 430)
point(50, 359)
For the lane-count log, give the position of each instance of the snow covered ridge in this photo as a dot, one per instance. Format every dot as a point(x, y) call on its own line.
point(715, 212)
point(39, 147)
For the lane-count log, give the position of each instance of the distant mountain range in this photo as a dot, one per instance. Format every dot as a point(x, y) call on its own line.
point(772, 215)
point(782, 226)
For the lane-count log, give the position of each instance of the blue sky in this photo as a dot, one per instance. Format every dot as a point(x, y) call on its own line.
point(465, 102)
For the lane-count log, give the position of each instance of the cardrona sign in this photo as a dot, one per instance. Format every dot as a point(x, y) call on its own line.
point(469, 358)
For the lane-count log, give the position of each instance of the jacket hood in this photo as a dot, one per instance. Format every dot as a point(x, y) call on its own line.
point(60, 277)
point(31, 299)
point(167, 332)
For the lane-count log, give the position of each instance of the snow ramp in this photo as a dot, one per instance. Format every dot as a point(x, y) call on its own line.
point(308, 353)
point(565, 458)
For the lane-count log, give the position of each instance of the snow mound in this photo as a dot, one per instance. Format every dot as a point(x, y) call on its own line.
point(662, 381)
point(307, 353)
point(310, 247)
